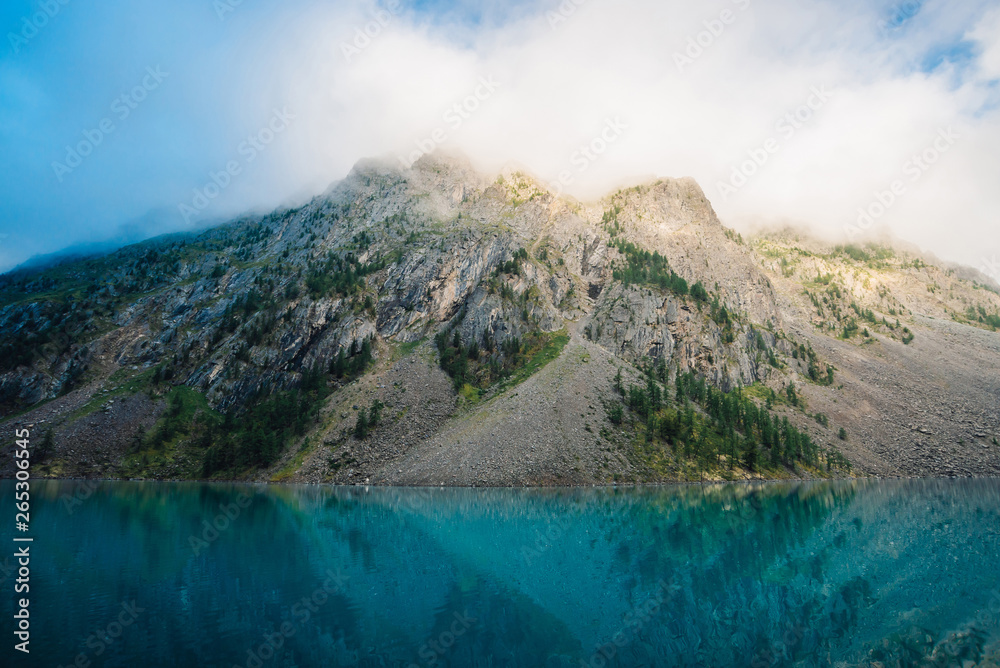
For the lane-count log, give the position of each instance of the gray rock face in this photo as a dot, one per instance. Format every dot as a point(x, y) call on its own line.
point(640, 323)
point(395, 256)
point(442, 232)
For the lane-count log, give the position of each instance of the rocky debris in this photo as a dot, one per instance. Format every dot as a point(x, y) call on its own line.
point(92, 446)
point(545, 431)
point(418, 400)
point(925, 409)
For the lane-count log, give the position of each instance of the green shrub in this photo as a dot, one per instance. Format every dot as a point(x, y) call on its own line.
point(616, 414)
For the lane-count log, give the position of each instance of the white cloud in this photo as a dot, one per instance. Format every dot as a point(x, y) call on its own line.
point(616, 59)
point(987, 34)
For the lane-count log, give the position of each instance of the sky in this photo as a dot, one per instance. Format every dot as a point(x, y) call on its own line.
point(123, 120)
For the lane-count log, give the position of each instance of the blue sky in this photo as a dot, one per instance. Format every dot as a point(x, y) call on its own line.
point(163, 96)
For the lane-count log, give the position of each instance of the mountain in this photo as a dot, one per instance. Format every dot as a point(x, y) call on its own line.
point(160, 222)
point(432, 326)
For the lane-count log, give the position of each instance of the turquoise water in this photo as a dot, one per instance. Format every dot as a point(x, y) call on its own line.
point(133, 574)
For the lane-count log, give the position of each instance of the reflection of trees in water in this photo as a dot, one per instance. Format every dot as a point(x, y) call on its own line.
point(735, 597)
point(714, 544)
point(931, 545)
point(756, 575)
point(132, 542)
point(720, 545)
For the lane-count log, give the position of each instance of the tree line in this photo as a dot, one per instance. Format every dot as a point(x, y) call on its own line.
point(256, 437)
point(729, 425)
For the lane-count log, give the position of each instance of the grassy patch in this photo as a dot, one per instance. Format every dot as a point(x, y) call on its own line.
point(187, 417)
point(294, 464)
point(406, 349)
point(478, 372)
point(124, 382)
point(550, 350)
point(469, 394)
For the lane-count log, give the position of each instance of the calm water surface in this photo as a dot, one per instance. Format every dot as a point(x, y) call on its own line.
point(148, 574)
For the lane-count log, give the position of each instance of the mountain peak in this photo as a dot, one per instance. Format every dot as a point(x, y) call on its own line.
point(427, 291)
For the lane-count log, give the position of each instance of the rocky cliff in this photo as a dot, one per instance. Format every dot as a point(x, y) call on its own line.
point(433, 326)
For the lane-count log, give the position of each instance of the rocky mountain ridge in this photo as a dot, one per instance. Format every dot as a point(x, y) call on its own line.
point(433, 326)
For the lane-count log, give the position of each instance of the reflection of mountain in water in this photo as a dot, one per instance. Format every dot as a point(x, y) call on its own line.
point(719, 575)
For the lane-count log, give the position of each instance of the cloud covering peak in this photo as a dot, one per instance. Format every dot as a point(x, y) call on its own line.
point(844, 116)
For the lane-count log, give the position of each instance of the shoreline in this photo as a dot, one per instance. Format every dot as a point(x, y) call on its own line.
point(678, 483)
